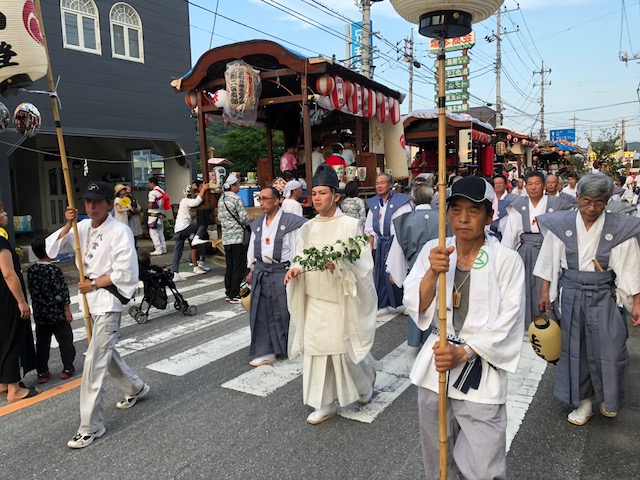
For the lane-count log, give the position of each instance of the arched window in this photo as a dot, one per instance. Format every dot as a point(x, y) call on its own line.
point(126, 33)
point(80, 25)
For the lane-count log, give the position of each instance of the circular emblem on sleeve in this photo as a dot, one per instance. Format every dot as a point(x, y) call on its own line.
point(390, 206)
point(481, 259)
point(568, 233)
point(426, 215)
point(550, 210)
point(608, 237)
point(281, 227)
point(524, 208)
point(258, 229)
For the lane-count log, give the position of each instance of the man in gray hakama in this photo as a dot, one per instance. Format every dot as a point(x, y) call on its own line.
point(520, 232)
point(271, 249)
point(594, 358)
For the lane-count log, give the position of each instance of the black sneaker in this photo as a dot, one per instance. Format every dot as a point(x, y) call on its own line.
point(44, 377)
point(67, 373)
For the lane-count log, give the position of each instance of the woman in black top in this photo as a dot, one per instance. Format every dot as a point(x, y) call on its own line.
point(17, 352)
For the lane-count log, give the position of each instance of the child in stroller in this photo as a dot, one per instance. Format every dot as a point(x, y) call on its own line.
point(155, 280)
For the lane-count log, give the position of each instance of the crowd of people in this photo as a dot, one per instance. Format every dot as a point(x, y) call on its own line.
point(516, 249)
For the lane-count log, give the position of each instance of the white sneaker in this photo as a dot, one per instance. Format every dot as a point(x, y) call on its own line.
point(156, 252)
point(581, 415)
point(198, 270)
point(264, 360)
point(383, 311)
point(203, 266)
point(198, 241)
point(130, 400)
point(398, 309)
point(81, 440)
point(178, 278)
point(322, 414)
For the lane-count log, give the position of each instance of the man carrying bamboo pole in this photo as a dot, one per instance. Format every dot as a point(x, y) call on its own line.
point(111, 268)
point(485, 318)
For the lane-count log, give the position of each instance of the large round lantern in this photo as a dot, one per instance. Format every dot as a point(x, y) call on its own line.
point(191, 99)
point(325, 84)
point(369, 106)
point(445, 18)
point(337, 94)
point(379, 98)
point(383, 110)
point(24, 59)
point(348, 89)
point(394, 110)
point(500, 149)
point(27, 120)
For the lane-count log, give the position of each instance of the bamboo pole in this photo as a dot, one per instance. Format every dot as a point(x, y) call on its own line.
point(442, 233)
point(65, 170)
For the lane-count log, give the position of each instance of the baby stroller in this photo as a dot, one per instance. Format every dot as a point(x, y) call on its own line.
point(155, 280)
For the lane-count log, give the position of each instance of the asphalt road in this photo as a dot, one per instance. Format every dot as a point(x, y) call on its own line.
point(190, 426)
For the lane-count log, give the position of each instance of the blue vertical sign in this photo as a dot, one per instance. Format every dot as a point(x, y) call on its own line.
point(355, 50)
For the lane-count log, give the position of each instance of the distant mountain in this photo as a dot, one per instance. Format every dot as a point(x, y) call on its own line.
point(633, 146)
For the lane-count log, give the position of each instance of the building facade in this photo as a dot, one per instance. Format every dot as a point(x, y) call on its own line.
point(120, 117)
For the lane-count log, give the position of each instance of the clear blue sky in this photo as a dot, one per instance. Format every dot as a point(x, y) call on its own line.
point(578, 39)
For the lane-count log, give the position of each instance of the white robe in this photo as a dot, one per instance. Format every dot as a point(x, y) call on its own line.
point(624, 260)
point(493, 325)
point(511, 224)
point(397, 263)
point(368, 225)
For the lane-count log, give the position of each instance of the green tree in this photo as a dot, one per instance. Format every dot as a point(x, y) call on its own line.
point(245, 145)
point(605, 149)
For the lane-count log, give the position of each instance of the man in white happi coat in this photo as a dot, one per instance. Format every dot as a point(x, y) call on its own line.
point(111, 269)
point(485, 315)
point(333, 312)
point(590, 261)
point(520, 232)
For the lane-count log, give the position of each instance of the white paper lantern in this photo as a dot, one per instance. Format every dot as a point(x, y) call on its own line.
point(221, 99)
point(23, 58)
point(383, 110)
point(394, 110)
point(348, 89)
point(337, 94)
point(379, 98)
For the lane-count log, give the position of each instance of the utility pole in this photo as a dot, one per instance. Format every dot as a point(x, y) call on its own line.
point(543, 135)
point(622, 135)
point(366, 38)
point(497, 36)
point(408, 57)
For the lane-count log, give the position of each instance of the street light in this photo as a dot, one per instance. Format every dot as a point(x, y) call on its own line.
point(444, 19)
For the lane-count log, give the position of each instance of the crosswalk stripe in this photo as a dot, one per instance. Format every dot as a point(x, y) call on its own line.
point(195, 358)
point(137, 344)
point(80, 333)
point(391, 382)
point(266, 379)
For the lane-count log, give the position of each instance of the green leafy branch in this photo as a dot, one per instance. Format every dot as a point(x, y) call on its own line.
point(349, 251)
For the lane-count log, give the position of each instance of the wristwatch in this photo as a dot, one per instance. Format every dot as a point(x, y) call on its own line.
point(94, 286)
point(470, 355)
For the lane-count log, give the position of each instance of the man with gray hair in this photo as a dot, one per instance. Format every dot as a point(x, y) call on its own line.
point(413, 230)
point(588, 259)
point(384, 208)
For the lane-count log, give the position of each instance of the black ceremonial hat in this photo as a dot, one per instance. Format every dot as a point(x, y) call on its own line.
point(326, 176)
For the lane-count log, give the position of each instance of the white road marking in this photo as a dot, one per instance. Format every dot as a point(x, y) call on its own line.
point(204, 354)
point(264, 380)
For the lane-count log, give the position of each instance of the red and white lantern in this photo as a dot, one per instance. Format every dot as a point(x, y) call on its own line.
point(325, 85)
point(221, 99)
point(354, 104)
point(394, 110)
point(383, 110)
point(369, 106)
point(337, 94)
point(379, 98)
point(348, 89)
point(191, 99)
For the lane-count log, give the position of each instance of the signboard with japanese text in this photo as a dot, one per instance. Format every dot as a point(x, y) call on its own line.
point(355, 45)
point(456, 96)
point(568, 134)
point(460, 108)
point(454, 85)
point(455, 61)
point(453, 44)
point(457, 72)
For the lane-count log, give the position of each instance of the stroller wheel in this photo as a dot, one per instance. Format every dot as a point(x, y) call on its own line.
point(177, 305)
point(133, 311)
point(192, 310)
point(141, 317)
point(185, 308)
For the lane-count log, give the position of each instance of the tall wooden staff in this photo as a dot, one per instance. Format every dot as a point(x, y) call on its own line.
point(65, 169)
point(442, 239)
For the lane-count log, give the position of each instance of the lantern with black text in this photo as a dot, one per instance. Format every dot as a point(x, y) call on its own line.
point(23, 58)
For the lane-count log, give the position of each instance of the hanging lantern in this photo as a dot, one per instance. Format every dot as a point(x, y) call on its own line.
point(394, 110)
point(508, 136)
point(221, 99)
point(354, 104)
point(4, 117)
point(27, 120)
point(440, 18)
point(24, 59)
point(348, 89)
point(379, 98)
point(325, 84)
point(191, 99)
point(501, 149)
point(535, 158)
point(383, 110)
point(369, 103)
point(515, 140)
point(337, 94)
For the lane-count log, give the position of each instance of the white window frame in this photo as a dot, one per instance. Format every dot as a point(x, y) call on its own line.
point(80, 8)
point(126, 26)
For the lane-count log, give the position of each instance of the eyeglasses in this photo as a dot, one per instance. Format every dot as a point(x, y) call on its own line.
point(587, 202)
point(264, 199)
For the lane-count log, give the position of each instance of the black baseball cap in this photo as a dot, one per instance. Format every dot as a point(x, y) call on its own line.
point(472, 188)
point(98, 191)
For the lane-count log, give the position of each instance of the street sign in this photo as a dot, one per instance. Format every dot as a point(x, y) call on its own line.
point(460, 108)
point(453, 44)
point(568, 134)
point(355, 45)
point(457, 72)
point(454, 85)
point(455, 96)
point(455, 61)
